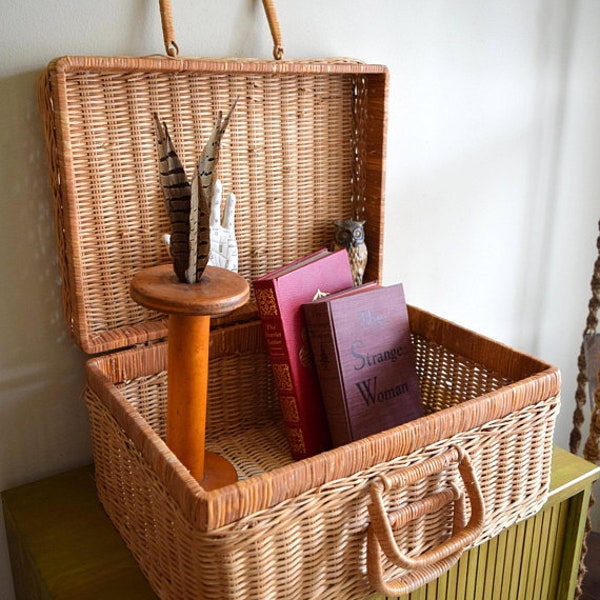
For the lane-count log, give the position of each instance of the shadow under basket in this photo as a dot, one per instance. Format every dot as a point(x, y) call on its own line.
point(389, 512)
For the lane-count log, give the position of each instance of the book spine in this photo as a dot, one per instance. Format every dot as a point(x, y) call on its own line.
point(307, 433)
point(328, 364)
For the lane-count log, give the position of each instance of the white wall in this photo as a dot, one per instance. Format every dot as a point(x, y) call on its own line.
point(492, 175)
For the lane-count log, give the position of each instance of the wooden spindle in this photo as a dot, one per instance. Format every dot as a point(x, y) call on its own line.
point(190, 307)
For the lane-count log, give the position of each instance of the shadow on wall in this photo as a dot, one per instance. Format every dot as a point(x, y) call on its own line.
point(43, 422)
point(41, 370)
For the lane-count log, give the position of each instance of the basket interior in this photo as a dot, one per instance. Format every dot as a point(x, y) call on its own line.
point(498, 404)
point(244, 420)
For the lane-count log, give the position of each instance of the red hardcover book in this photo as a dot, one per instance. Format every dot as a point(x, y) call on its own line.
point(364, 360)
point(279, 298)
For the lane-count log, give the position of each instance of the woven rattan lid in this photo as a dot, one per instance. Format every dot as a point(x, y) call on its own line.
point(305, 146)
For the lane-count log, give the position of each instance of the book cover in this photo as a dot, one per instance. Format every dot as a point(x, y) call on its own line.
point(279, 299)
point(364, 360)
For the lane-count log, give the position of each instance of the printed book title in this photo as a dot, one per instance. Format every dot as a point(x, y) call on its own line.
point(367, 388)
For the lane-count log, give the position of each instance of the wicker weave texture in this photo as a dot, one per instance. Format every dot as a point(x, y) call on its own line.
point(301, 526)
point(304, 147)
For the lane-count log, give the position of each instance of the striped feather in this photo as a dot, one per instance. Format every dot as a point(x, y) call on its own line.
point(209, 158)
point(188, 206)
point(177, 195)
point(205, 179)
point(193, 273)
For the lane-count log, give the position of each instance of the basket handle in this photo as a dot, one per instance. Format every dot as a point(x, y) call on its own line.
point(172, 49)
point(436, 561)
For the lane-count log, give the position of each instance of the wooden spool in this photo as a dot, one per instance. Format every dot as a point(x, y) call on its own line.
point(190, 307)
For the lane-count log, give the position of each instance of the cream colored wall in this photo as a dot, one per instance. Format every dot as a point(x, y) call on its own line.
point(492, 175)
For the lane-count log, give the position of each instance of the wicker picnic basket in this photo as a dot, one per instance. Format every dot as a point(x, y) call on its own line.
point(306, 146)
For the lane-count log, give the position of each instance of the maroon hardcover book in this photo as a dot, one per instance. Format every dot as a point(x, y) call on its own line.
point(364, 360)
point(279, 298)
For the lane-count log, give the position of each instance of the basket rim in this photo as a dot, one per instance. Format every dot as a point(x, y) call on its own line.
point(210, 510)
point(163, 63)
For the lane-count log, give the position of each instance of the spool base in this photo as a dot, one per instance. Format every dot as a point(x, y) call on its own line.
point(218, 472)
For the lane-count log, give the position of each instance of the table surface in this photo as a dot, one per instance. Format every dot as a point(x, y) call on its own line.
point(69, 546)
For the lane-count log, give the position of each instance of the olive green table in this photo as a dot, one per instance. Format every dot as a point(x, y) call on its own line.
point(63, 547)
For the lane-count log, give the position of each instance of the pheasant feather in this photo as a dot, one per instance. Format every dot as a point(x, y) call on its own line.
point(205, 181)
point(177, 196)
point(189, 205)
